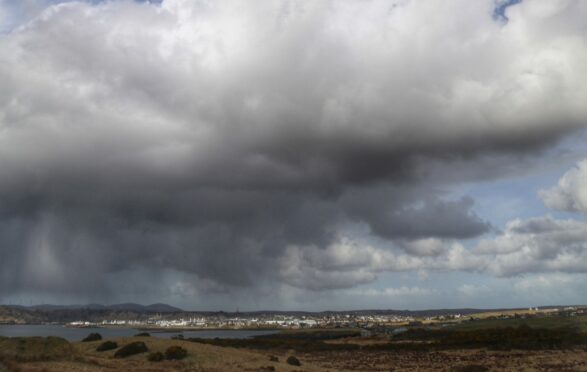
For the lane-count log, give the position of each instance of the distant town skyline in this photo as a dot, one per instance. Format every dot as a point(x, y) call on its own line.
point(294, 155)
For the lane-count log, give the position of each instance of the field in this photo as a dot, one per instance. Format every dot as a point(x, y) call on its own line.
point(83, 357)
point(537, 344)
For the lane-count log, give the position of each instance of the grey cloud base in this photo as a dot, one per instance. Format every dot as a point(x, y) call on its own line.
point(194, 136)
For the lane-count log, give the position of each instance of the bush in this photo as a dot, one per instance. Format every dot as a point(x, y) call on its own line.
point(292, 360)
point(107, 345)
point(156, 357)
point(92, 337)
point(131, 349)
point(175, 352)
point(143, 334)
point(273, 358)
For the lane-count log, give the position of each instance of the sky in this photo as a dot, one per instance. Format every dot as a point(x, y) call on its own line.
point(294, 154)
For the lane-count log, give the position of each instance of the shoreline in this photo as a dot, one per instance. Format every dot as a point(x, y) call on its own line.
point(166, 329)
point(188, 329)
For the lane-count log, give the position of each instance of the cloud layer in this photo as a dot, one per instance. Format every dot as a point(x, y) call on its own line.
point(527, 246)
point(239, 143)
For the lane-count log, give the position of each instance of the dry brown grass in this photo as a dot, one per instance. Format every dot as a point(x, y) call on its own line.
point(203, 357)
point(488, 314)
point(200, 358)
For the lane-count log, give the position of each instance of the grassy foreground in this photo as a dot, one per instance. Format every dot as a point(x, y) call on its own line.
point(530, 345)
point(56, 354)
point(42, 355)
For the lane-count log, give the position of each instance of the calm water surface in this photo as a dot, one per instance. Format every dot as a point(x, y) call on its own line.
point(77, 334)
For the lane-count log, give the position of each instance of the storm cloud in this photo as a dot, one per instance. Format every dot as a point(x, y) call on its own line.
point(241, 142)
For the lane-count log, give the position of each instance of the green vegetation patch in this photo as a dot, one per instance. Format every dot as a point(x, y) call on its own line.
point(522, 337)
point(304, 341)
point(278, 343)
point(420, 339)
point(546, 322)
point(314, 335)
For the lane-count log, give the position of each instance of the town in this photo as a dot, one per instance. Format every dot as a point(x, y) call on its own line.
point(318, 320)
point(257, 321)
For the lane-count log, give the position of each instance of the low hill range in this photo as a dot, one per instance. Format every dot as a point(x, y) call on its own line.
point(153, 308)
point(47, 313)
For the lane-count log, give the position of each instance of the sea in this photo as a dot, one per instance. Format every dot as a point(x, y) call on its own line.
point(77, 334)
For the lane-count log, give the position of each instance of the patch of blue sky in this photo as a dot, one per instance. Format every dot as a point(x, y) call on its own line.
point(155, 2)
point(517, 196)
point(96, 2)
point(504, 200)
point(14, 13)
point(501, 6)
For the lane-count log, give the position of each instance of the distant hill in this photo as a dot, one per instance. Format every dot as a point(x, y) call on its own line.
point(48, 313)
point(153, 308)
point(162, 308)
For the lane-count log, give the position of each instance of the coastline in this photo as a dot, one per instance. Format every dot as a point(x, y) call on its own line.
point(170, 329)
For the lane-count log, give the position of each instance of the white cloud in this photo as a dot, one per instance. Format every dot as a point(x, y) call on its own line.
point(543, 283)
point(535, 245)
point(550, 288)
point(571, 192)
point(471, 290)
point(348, 263)
point(424, 247)
point(400, 292)
point(340, 265)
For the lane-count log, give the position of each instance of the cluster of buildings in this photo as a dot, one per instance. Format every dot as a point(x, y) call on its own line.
point(256, 321)
point(308, 320)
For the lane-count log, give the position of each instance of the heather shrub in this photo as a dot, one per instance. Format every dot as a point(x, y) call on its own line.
point(175, 352)
point(131, 349)
point(107, 345)
point(92, 337)
point(292, 360)
point(156, 357)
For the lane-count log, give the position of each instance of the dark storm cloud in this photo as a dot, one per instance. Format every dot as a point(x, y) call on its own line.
point(390, 214)
point(215, 138)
